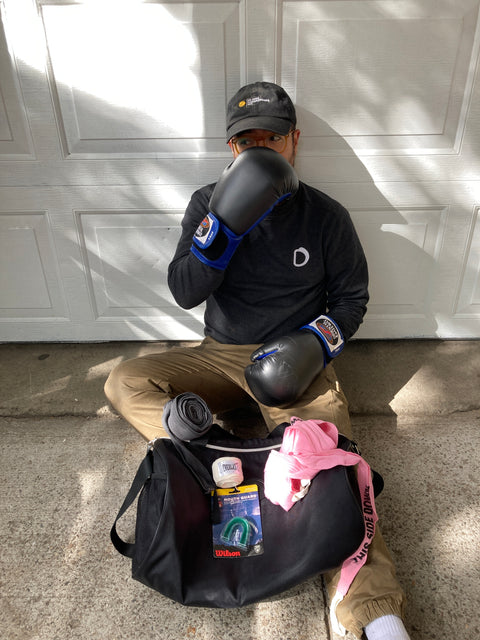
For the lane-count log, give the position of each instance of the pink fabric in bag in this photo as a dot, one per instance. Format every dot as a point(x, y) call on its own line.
point(310, 446)
point(307, 448)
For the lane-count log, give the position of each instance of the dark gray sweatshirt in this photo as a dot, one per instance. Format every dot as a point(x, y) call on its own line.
point(303, 260)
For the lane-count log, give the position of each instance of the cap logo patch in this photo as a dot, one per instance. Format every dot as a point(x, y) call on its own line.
point(250, 101)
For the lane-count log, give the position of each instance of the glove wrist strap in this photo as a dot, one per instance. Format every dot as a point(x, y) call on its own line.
point(329, 333)
point(213, 243)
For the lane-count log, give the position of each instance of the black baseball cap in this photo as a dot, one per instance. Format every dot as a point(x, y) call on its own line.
point(260, 105)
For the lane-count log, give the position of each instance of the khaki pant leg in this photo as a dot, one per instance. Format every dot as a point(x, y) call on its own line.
point(139, 388)
point(375, 591)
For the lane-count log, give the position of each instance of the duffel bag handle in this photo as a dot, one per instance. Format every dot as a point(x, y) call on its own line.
point(143, 474)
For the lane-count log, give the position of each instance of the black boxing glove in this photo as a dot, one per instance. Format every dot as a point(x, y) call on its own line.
point(248, 189)
point(283, 369)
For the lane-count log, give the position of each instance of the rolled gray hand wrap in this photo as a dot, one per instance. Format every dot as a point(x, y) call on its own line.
point(187, 417)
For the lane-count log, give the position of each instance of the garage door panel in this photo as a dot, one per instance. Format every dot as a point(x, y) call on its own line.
point(30, 282)
point(126, 257)
point(15, 139)
point(140, 86)
point(468, 302)
point(401, 248)
point(392, 77)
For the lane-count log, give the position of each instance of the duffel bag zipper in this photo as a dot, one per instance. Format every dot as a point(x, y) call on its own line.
point(151, 444)
point(235, 450)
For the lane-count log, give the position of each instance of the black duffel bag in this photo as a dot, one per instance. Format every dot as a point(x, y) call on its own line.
point(173, 548)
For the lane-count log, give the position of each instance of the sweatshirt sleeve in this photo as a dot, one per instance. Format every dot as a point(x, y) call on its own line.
point(347, 275)
point(190, 281)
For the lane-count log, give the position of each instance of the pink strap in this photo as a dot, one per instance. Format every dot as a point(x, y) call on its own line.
point(310, 446)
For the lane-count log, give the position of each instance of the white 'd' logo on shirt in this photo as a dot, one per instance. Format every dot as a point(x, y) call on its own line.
point(300, 257)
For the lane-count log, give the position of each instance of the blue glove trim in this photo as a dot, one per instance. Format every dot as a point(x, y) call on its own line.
point(329, 333)
point(286, 195)
point(208, 230)
point(263, 355)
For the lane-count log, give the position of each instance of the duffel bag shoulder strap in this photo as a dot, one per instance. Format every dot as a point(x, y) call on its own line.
point(144, 472)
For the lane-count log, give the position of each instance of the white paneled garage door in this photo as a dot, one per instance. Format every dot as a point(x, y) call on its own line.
point(112, 113)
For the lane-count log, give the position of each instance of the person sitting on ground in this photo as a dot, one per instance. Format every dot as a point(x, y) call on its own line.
point(285, 281)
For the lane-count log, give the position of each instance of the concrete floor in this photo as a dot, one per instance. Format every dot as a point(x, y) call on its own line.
point(67, 462)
